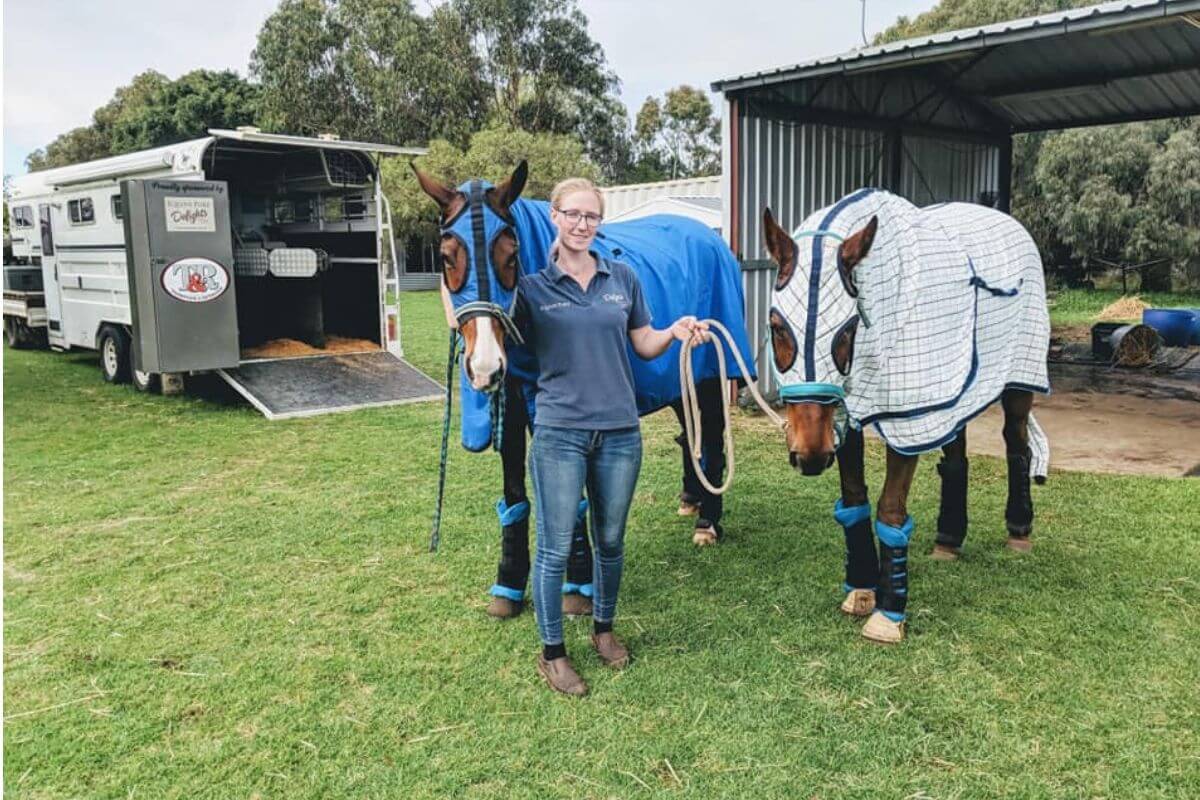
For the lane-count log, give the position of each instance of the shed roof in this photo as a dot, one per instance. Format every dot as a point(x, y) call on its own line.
point(1114, 62)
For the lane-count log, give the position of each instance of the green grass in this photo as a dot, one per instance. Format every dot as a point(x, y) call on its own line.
point(1080, 306)
point(203, 604)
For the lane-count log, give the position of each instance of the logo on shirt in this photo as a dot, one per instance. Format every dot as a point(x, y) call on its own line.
point(614, 298)
point(552, 306)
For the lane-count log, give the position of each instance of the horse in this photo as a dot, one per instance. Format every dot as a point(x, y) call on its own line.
point(489, 236)
point(912, 321)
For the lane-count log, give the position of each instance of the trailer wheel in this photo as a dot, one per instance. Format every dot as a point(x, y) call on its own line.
point(143, 381)
point(114, 355)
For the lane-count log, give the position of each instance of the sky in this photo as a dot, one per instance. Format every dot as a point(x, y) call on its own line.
point(64, 58)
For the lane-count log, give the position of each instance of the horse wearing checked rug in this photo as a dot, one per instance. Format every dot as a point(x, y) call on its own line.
point(912, 321)
point(489, 236)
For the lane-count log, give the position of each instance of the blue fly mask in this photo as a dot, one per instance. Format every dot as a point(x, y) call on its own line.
point(485, 289)
point(815, 314)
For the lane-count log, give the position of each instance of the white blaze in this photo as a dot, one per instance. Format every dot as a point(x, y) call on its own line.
point(487, 359)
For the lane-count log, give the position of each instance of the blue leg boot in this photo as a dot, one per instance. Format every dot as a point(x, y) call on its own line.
point(577, 587)
point(508, 592)
point(862, 565)
point(886, 624)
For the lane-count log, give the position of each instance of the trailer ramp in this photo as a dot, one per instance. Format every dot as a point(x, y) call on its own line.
point(283, 388)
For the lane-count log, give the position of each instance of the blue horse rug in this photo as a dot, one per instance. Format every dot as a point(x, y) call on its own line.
point(684, 268)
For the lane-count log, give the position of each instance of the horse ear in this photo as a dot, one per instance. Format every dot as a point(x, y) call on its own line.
point(856, 247)
point(782, 248)
point(508, 191)
point(440, 192)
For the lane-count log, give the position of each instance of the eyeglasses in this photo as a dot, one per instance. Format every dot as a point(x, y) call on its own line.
point(573, 216)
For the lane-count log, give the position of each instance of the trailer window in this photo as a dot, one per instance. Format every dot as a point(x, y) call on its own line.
point(118, 211)
point(81, 211)
point(22, 216)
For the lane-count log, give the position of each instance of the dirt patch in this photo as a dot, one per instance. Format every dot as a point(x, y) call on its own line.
point(291, 348)
point(1110, 433)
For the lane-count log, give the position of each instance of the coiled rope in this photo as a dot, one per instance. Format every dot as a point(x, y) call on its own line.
point(691, 402)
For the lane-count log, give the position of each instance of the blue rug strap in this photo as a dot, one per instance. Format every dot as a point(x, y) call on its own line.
point(581, 514)
point(892, 597)
point(510, 515)
point(584, 589)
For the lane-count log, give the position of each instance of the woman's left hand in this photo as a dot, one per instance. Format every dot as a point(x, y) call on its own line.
point(689, 327)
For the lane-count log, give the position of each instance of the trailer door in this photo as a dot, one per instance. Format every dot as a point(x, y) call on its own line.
point(50, 285)
point(179, 252)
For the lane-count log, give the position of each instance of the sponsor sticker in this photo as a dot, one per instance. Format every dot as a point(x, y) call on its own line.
point(195, 280)
point(190, 214)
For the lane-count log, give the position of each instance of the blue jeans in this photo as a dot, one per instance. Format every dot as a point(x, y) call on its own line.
point(562, 462)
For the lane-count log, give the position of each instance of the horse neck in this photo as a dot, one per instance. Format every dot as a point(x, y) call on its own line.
point(535, 233)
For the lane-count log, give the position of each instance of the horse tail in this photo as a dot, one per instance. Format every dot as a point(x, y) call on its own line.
point(1039, 449)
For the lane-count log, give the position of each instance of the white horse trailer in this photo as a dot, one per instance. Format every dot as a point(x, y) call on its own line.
point(266, 258)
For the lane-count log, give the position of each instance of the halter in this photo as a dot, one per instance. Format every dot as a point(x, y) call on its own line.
point(476, 227)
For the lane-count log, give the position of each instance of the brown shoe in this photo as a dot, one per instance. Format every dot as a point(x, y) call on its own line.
point(611, 651)
point(503, 608)
point(561, 676)
point(576, 605)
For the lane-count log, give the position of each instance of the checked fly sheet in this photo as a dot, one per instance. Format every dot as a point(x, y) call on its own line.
point(945, 312)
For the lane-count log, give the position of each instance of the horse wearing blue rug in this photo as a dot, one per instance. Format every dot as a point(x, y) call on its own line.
point(911, 321)
point(489, 237)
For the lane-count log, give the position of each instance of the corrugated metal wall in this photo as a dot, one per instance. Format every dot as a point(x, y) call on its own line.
point(622, 198)
point(798, 168)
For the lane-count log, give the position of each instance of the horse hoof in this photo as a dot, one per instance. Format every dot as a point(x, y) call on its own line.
point(503, 608)
point(703, 537)
point(1021, 544)
point(688, 510)
point(576, 605)
point(859, 602)
point(883, 630)
point(944, 552)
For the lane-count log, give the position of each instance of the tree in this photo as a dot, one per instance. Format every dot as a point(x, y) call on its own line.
point(492, 155)
point(152, 111)
point(950, 15)
point(373, 70)
point(545, 73)
point(680, 135)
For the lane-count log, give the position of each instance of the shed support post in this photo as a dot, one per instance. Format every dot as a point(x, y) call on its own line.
point(1004, 178)
point(895, 150)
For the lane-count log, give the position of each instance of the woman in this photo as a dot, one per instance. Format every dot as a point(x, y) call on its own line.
point(577, 313)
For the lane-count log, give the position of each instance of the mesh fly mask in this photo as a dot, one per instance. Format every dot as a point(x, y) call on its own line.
point(482, 292)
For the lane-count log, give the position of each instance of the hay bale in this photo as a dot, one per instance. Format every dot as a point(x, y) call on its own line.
point(1134, 346)
point(1127, 309)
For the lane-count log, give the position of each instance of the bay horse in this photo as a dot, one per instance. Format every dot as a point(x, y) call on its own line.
point(489, 236)
point(912, 321)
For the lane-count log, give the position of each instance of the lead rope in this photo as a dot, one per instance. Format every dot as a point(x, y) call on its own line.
point(435, 535)
point(691, 403)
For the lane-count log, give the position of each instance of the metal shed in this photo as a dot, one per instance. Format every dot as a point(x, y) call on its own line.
point(932, 118)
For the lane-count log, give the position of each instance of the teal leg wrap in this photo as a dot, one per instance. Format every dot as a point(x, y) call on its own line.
point(892, 597)
point(862, 565)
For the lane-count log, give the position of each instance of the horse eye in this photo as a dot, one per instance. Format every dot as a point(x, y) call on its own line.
point(783, 342)
point(843, 345)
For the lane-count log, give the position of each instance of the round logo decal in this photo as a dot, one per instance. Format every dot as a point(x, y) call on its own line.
point(195, 280)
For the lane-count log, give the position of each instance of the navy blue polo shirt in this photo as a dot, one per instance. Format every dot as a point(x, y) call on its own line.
point(580, 339)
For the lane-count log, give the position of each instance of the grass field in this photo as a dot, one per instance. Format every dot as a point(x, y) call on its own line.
point(199, 603)
point(1080, 307)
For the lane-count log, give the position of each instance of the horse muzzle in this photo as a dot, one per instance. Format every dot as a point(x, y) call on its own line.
point(811, 465)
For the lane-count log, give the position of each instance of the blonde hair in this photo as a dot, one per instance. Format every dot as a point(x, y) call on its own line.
point(573, 185)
